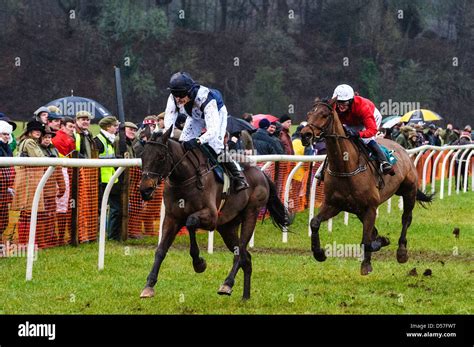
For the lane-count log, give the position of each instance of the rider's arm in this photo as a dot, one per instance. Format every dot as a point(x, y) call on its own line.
point(368, 120)
point(211, 116)
point(171, 113)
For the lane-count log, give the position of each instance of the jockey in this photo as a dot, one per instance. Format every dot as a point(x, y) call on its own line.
point(204, 109)
point(361, 119)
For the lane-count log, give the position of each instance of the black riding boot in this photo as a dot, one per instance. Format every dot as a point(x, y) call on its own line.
point(320, 175)
point(385, 166)
point(238, 179)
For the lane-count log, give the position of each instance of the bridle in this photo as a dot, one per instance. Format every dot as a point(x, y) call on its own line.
point(157, 176)
point(323, 130)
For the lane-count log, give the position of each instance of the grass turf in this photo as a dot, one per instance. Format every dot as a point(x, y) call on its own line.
point(286, 279)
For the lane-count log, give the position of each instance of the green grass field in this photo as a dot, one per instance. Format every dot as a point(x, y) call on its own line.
point(286, 279)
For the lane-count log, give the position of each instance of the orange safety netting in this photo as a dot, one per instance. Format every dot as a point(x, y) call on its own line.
point(52, 217)
point(144, 216)
point(69, 203)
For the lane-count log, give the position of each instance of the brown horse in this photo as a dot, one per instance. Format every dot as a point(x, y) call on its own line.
point(192, 197)
point(351, 183)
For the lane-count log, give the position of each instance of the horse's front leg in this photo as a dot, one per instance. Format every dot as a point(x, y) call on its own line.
point(326, 212)
point(170, 229)
point(202, 218)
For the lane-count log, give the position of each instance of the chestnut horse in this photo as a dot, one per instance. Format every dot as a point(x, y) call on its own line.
point(351, 183)
point(192, 198)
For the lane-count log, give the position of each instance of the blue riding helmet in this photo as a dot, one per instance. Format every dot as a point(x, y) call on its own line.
point(180, 84)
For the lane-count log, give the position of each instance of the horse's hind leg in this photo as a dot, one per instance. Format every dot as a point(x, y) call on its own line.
point(229, 235)
point(409, 200)
point(324, 214)
point(170, 229)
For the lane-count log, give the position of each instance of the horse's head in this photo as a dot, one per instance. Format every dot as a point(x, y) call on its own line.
point(319, 120)
point(157, 163)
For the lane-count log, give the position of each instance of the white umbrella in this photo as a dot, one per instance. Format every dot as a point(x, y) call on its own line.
point(391, 122)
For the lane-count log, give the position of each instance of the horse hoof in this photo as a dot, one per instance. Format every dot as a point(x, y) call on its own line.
point(402, 256)
point(225, 290)
point(200, 266)
point(365, 269)
point(384, 241)
point(148, 292)
point(319, 255)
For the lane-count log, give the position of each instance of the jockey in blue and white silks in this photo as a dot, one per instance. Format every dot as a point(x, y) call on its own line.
point(205, 109)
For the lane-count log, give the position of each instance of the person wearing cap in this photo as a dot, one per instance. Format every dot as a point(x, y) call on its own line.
point(29, 141)
point(12, 142)
point(151, 121)
point(205, 109)
point(362, 120)
point(130, 136)
point(263, 141)
point(285, 137)
point(54, 121)
point(41, 115)
point(6, 130)
point(47, 145)
point(105, 144)
point(407, 138)
point(85, 145)
point(161, 121)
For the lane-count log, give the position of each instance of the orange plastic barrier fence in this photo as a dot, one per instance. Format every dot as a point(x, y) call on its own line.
point(69, 203)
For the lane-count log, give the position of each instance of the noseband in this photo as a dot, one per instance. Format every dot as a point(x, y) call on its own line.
point(323, 130)
point(159, 177)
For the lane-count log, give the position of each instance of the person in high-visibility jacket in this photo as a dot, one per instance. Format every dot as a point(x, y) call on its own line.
point(104, 142)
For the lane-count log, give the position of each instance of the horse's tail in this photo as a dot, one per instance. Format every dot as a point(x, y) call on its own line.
point(278, 212)
point(422, 198)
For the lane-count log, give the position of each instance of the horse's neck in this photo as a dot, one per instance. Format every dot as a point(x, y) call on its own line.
point(342, 154)
point(186, 169)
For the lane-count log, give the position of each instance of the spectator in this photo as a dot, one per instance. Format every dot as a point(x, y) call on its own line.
point(28, 178)
point(431, 136)
point(46, 144)
point(285, 137)
point(151, 121)
point(420, 141)
point(298, 144)
point(29, 145)
point(263, 142)
point(130, 135)
point(41, 115)
point(64, 139)
point(85, 145)
point(451, 135)
point(104, 142)
point(12, 140)
point(464, 139)
point(54, 189)
point(54, 121)
point(407, 138)
point(65, 145)
point(274, 130)
point(6, 176)
point(246, 136)
point(161, 121)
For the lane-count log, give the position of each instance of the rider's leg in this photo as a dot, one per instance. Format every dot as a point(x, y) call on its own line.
point(240, 183)
point(380, 157)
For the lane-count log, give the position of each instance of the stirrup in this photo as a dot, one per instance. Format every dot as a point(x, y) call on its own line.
point(386, 168)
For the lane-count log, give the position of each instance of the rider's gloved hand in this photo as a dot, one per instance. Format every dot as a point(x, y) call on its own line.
point(191, 144)
point(352, 133)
